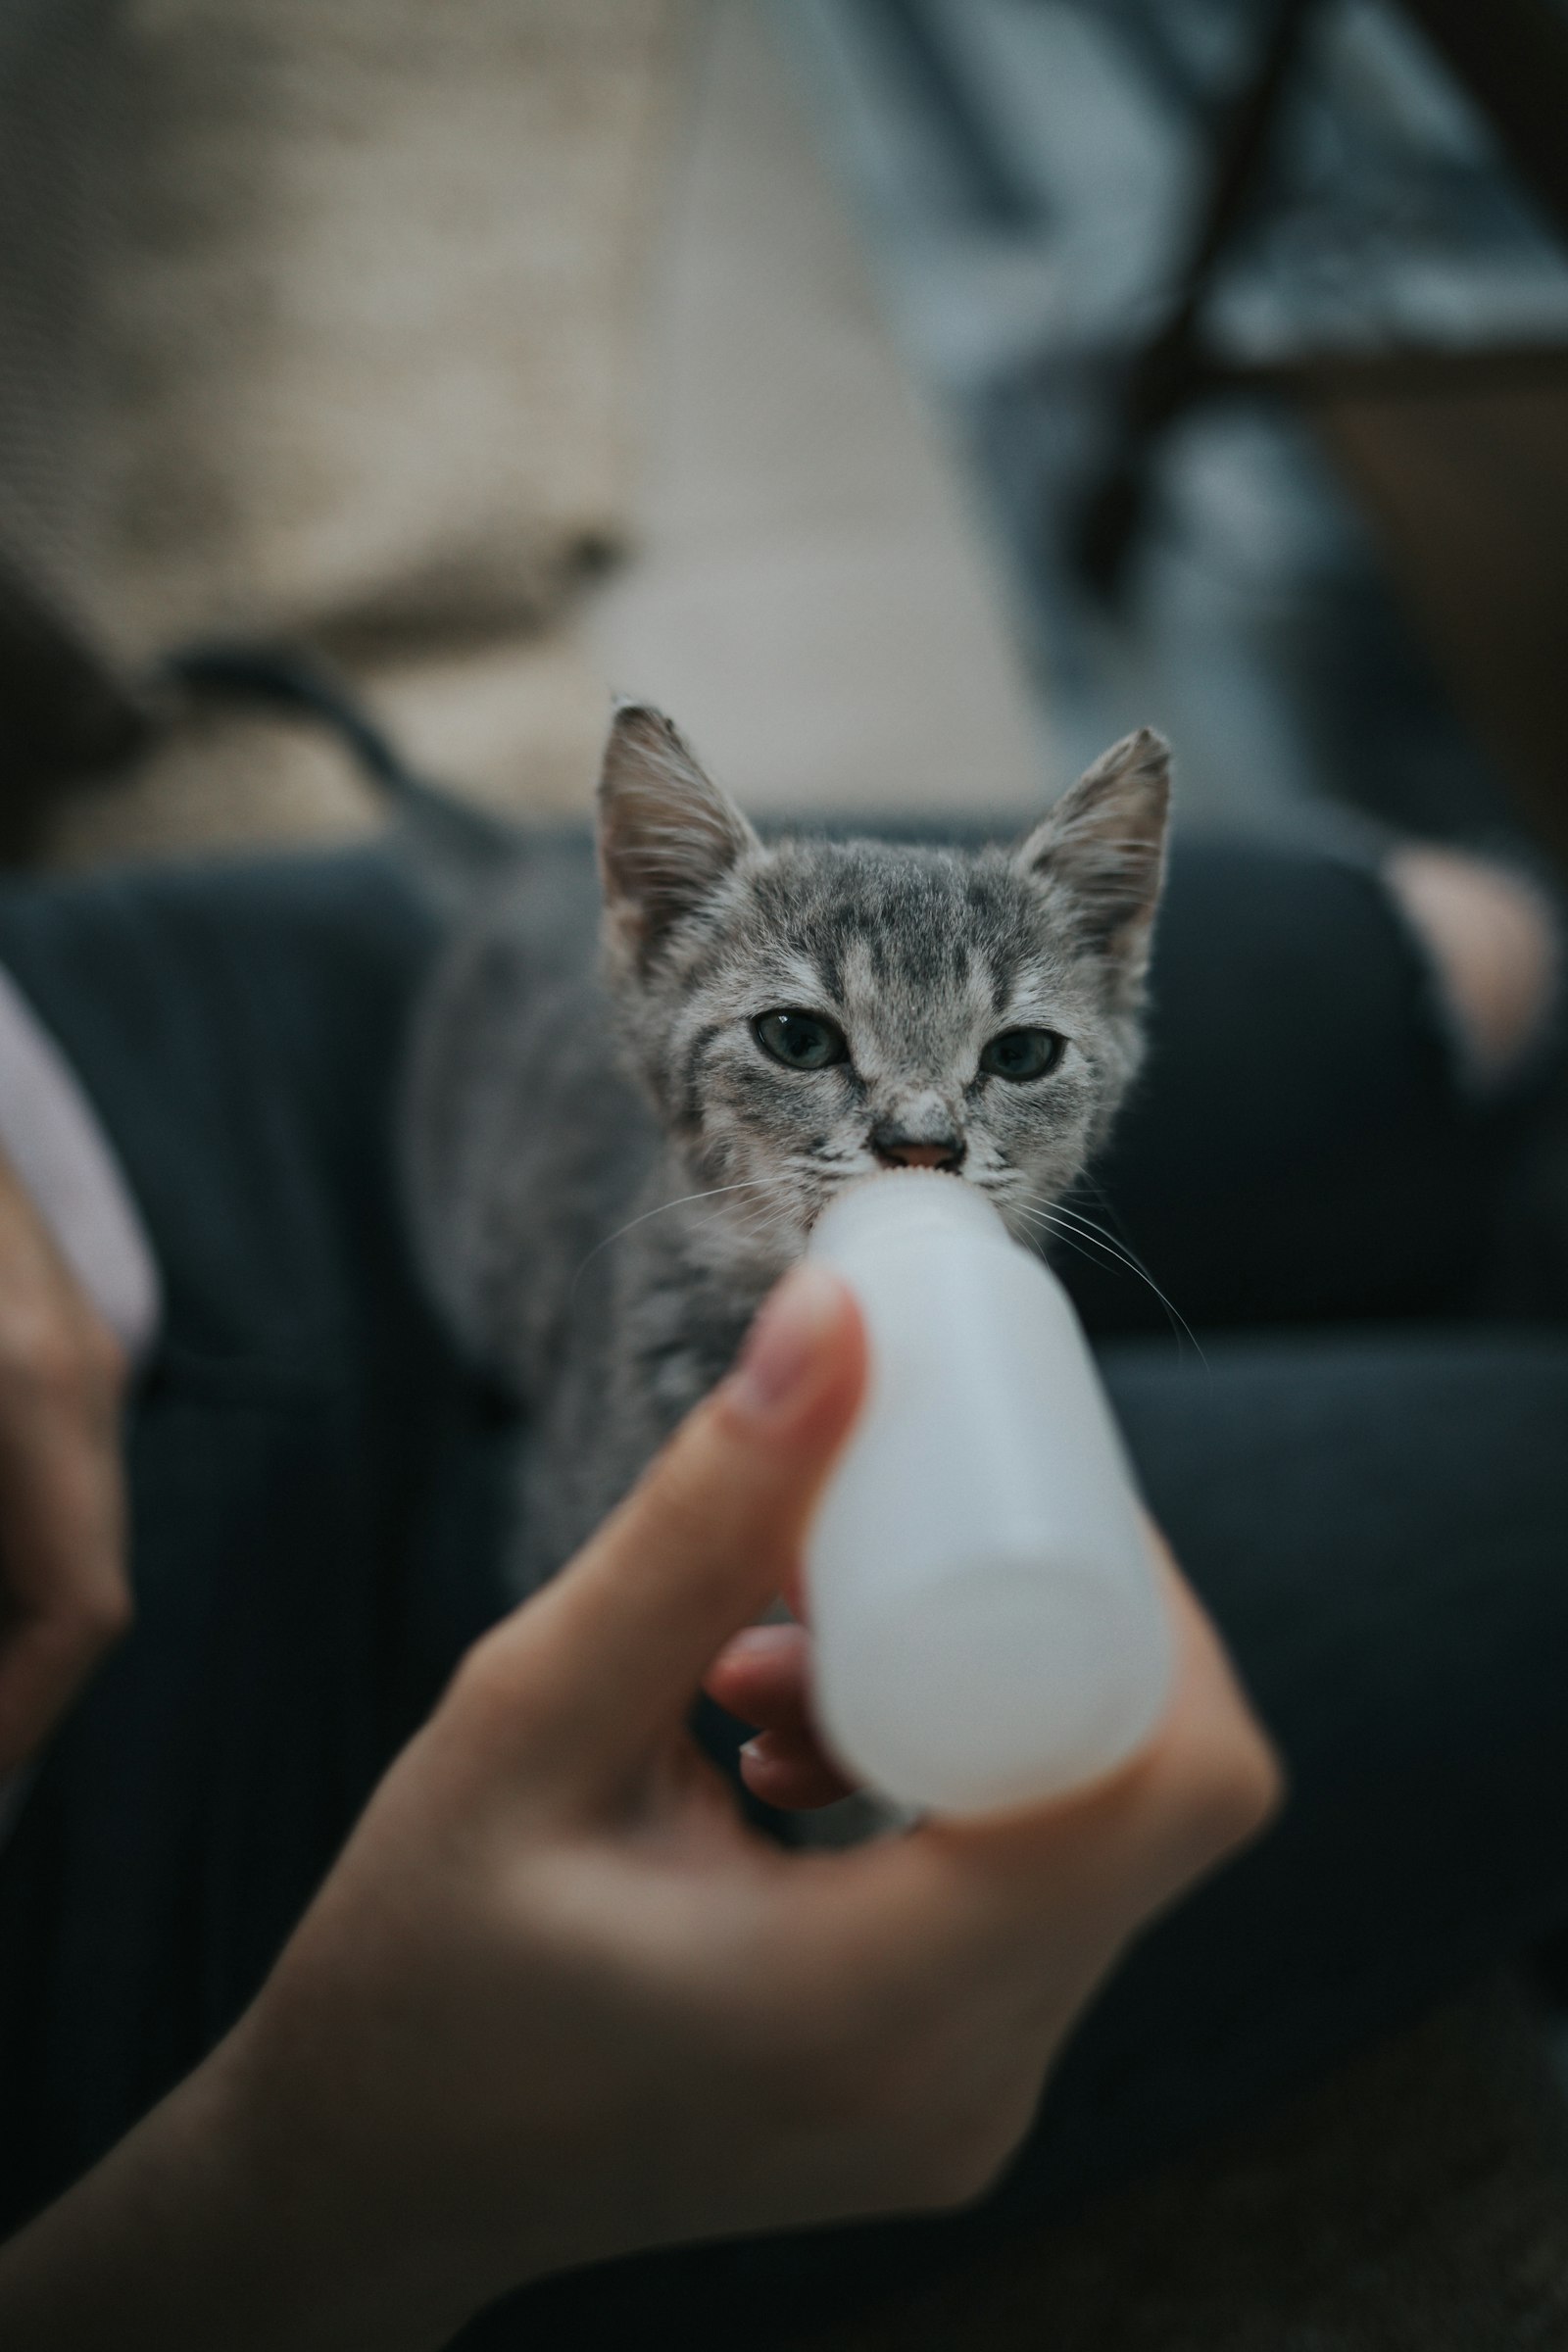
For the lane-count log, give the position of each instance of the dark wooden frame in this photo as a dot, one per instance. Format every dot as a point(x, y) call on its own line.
point(1511, 56)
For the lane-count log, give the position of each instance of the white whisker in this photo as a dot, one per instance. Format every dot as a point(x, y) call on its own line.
point(1070, 1224)
point(748, 1185)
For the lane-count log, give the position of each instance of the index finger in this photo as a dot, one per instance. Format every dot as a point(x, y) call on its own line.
point(610, 1655)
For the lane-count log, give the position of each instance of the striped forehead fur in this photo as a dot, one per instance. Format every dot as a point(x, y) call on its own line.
point(917, 955)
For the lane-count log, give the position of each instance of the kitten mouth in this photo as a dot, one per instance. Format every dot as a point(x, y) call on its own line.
point(893, 1148)
point(940, 1158)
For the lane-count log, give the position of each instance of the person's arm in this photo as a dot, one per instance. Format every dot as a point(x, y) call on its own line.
point(65, 1596)
point(556, 2002)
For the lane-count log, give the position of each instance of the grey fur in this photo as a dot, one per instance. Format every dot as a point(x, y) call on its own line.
point(607, 1171)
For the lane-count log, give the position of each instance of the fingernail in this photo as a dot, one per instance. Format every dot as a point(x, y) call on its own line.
point(758, 1637)
point(785, 1341)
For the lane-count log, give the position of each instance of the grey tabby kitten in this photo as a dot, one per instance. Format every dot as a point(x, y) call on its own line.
point(610, 1168)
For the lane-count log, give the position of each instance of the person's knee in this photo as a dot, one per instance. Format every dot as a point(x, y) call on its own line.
point(1496, 951)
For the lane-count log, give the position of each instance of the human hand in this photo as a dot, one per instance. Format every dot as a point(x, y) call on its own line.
point(763, 1675)
point(65, 1594)
point(556, 2002)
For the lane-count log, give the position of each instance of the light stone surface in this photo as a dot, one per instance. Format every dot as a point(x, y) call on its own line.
point(814, 601)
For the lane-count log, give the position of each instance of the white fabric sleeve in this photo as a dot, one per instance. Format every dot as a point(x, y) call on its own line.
point(52, 1138)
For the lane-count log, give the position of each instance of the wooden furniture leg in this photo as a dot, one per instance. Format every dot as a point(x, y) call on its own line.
point(1171, 370)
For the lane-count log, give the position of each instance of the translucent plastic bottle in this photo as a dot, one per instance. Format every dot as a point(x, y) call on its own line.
point(988, 1624)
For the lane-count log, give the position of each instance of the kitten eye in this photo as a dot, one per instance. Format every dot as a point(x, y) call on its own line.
point(1020, 1054)
point(800, 1040)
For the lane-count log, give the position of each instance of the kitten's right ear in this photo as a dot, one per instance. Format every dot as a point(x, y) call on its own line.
point(667, 835)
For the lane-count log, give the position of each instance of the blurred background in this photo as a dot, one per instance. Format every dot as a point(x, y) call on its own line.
point(910, 394)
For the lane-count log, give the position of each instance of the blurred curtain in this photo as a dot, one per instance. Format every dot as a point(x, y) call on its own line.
point(321, 318)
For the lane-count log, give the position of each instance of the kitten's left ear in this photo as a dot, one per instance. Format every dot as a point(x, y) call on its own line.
point(1103, 844)
point(667, 834)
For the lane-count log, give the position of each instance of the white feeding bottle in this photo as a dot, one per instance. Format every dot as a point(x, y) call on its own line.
point(987, 1626)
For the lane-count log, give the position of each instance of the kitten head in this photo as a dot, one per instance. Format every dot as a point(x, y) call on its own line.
point(804, 1012)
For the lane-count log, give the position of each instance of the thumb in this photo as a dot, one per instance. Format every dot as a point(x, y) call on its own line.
point(606, 1658)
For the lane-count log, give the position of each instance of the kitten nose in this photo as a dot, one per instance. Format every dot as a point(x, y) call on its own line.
point(897, 1150)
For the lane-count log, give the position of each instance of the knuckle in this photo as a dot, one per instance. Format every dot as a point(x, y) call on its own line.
point(496, 1705)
